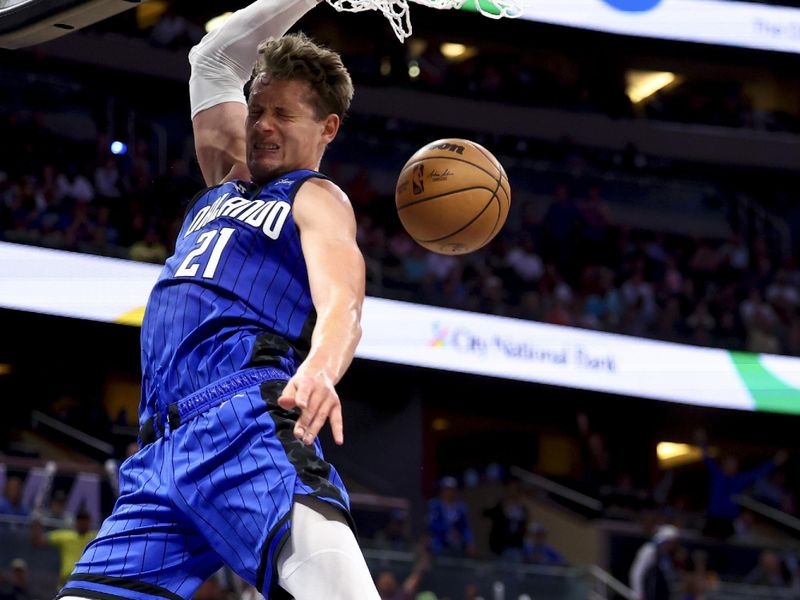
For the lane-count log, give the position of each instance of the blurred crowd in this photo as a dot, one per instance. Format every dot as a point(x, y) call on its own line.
point(678, 557)
point(575, 267)
point(567, 264)
point(499, 73)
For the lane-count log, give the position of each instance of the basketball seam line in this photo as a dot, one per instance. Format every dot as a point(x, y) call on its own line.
point(499, 212)
point(491, 159)
point(437, 196)
point(457, 231)
point(495, 162)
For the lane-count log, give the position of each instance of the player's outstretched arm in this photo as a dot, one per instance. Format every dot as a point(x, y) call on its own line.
point(222, 63)
point(327, 227)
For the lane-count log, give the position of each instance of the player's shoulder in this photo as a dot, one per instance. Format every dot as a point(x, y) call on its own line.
point(317, 183)
point(316, 193)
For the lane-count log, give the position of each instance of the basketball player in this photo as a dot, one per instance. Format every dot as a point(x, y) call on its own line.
point(251, 324)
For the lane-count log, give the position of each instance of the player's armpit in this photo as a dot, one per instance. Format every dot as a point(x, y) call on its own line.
point(336, 276)
point(219, 138)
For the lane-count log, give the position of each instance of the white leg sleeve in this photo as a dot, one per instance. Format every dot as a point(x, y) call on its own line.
point(322, 558)
point(223, 60)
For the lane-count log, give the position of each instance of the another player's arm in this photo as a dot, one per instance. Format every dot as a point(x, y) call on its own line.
point(335, 266)
point(221, 65)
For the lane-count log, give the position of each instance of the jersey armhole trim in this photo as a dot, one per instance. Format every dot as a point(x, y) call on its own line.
point(299, 183)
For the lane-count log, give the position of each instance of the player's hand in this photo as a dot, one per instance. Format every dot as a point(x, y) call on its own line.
point(315, 396)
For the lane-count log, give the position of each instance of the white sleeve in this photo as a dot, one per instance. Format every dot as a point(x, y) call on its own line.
point(223, 60)
point(644, 559)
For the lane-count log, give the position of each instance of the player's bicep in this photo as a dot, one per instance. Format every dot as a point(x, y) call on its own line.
point(219, 139)
point(327, 226)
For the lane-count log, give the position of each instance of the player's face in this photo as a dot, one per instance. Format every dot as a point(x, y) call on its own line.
point(283, 131)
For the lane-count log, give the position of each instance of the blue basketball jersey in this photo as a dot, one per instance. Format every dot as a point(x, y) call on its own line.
point(234, 295)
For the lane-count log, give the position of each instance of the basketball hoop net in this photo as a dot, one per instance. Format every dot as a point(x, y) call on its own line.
point(397, 11)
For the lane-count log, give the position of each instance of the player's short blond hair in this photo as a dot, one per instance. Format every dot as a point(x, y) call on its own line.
point(297, 57)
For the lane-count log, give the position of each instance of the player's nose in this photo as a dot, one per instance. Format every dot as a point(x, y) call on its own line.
point(264, 123)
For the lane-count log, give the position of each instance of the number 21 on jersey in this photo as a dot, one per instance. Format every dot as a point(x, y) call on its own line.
point(195, 259)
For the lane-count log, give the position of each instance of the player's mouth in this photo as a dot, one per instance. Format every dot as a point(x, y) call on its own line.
point(259, 148)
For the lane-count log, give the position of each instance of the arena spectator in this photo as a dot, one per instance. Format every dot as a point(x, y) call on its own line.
point(73, 186)
point(55, 516)
point(525, 262)
point(18, 585)
point(651, 573)
point(772, 490)
point(11, 502)
point(699, 580)
point(395, 536)
point(537, 550)
point(389, 588)
point(448, 522)
point(69, 542)
point(107, 180)
point(775, 573)
point(509, 522)
point(744, 526)
point(726, 482)
point(149, 249)
point(472, 592)
point(595, 465)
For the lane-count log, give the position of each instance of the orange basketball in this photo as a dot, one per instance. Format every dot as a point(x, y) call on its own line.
point(453, 196)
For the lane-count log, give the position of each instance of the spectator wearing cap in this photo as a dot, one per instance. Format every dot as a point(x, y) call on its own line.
point(650, 571)
point(448, 522)
point(69, 542)
point(17, 587)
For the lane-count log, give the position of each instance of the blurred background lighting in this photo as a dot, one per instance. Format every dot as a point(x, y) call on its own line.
point(217, 21)
point(457, 52)
point(643, 84)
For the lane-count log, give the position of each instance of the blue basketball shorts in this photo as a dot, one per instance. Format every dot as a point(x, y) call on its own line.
point(217, 489)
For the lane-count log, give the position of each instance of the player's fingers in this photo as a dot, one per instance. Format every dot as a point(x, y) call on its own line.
point(337, 424)
point(308, 412)
point(317, 423)
point(287, 397)
point(304, 391)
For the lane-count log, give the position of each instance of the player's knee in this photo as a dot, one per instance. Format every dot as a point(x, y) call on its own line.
point(322, 558)
point(331, 573)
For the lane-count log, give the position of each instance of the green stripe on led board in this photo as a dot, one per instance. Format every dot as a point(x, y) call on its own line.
point(485, 5)
point(769, 393)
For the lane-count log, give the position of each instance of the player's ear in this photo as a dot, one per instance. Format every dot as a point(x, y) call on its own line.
point(330, 127)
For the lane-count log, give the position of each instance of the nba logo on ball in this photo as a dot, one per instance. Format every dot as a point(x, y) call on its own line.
point(633, 5)
point(452, 196)
point(418, 181)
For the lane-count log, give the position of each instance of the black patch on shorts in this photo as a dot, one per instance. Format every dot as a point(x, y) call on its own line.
point(312, 470)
